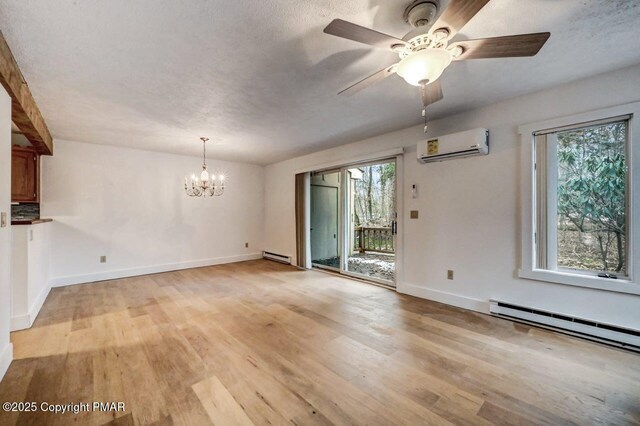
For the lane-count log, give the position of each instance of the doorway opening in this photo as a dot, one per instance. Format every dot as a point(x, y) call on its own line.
point(325, 219)
point(353, 220)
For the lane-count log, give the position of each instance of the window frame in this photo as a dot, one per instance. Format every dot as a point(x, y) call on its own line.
point(529, 201)
point(546, 175)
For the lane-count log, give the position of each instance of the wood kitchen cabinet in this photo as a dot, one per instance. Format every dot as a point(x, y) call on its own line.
point(25, 175)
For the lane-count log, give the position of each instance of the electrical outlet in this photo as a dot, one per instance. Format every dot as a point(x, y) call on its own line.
point(246, 245)
point(3, 219)
point(413, 214)
point(449, 274)
point(103, 259)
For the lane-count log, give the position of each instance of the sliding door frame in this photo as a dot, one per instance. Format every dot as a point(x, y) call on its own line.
point(343, 219)
point(344, 202)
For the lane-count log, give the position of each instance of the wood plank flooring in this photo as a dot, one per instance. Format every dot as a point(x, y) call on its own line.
point(262, 343)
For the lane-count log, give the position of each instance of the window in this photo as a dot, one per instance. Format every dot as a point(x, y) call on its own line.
point(582, 192)
point(580, 201)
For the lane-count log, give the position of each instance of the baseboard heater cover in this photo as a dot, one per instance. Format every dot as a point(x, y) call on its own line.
point(588, 329)
point(276, 257)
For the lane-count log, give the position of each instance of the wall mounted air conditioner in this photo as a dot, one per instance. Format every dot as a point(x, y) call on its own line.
point(456, 145)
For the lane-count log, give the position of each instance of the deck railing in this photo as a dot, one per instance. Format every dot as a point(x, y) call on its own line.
point(373, 239)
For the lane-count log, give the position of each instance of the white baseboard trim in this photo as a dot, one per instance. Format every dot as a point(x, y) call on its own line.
point(37, 304)
point(464, 302)
point(146, 270)
point(6, 356)
point(21, 322)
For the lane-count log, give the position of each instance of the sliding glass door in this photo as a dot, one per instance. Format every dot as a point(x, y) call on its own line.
point(370, 221)
point(353, 220)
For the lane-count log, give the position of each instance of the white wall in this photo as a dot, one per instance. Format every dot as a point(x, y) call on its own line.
point(30, 251)
point(130, 206)
point(19, 273)
point(6, 352)
point(469, 208)
point(39, 255)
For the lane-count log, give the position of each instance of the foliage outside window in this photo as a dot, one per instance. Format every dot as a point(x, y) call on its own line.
point(583, 223)
point(374, 197)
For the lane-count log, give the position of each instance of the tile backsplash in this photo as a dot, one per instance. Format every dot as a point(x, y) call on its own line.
point(25, 210)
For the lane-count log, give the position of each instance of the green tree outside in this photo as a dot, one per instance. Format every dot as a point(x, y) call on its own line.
point(592, 208)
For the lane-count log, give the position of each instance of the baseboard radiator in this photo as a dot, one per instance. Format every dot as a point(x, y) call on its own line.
point(592, 330)
point(276, 257)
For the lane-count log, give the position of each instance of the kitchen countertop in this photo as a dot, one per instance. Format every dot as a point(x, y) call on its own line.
point(29, 221)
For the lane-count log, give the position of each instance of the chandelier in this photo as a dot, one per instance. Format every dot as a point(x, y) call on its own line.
point(206, 185)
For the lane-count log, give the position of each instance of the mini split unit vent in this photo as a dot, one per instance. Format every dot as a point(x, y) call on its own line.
point(456, 145)
point(587, 329)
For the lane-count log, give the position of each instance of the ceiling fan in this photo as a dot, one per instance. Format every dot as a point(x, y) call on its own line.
point(425, 52)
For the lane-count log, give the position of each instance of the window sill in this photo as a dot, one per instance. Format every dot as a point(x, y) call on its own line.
point(579, 280)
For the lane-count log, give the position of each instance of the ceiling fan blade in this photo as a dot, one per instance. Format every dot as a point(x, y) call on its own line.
point(372, 79)
point(457, 14)
point(354, 32)
point(502, 47)
point(431, 93)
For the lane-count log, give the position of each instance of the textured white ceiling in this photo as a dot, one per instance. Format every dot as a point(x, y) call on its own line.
point(259, 77)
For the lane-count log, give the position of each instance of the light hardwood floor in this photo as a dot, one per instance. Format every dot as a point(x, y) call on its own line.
point(258, 342)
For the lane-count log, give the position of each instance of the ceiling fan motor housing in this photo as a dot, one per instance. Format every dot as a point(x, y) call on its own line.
point(421, 13)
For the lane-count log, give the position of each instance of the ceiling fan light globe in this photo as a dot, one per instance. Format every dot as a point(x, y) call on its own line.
point(424, 66)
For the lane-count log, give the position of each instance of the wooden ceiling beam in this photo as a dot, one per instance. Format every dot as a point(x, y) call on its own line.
point(24, 111)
